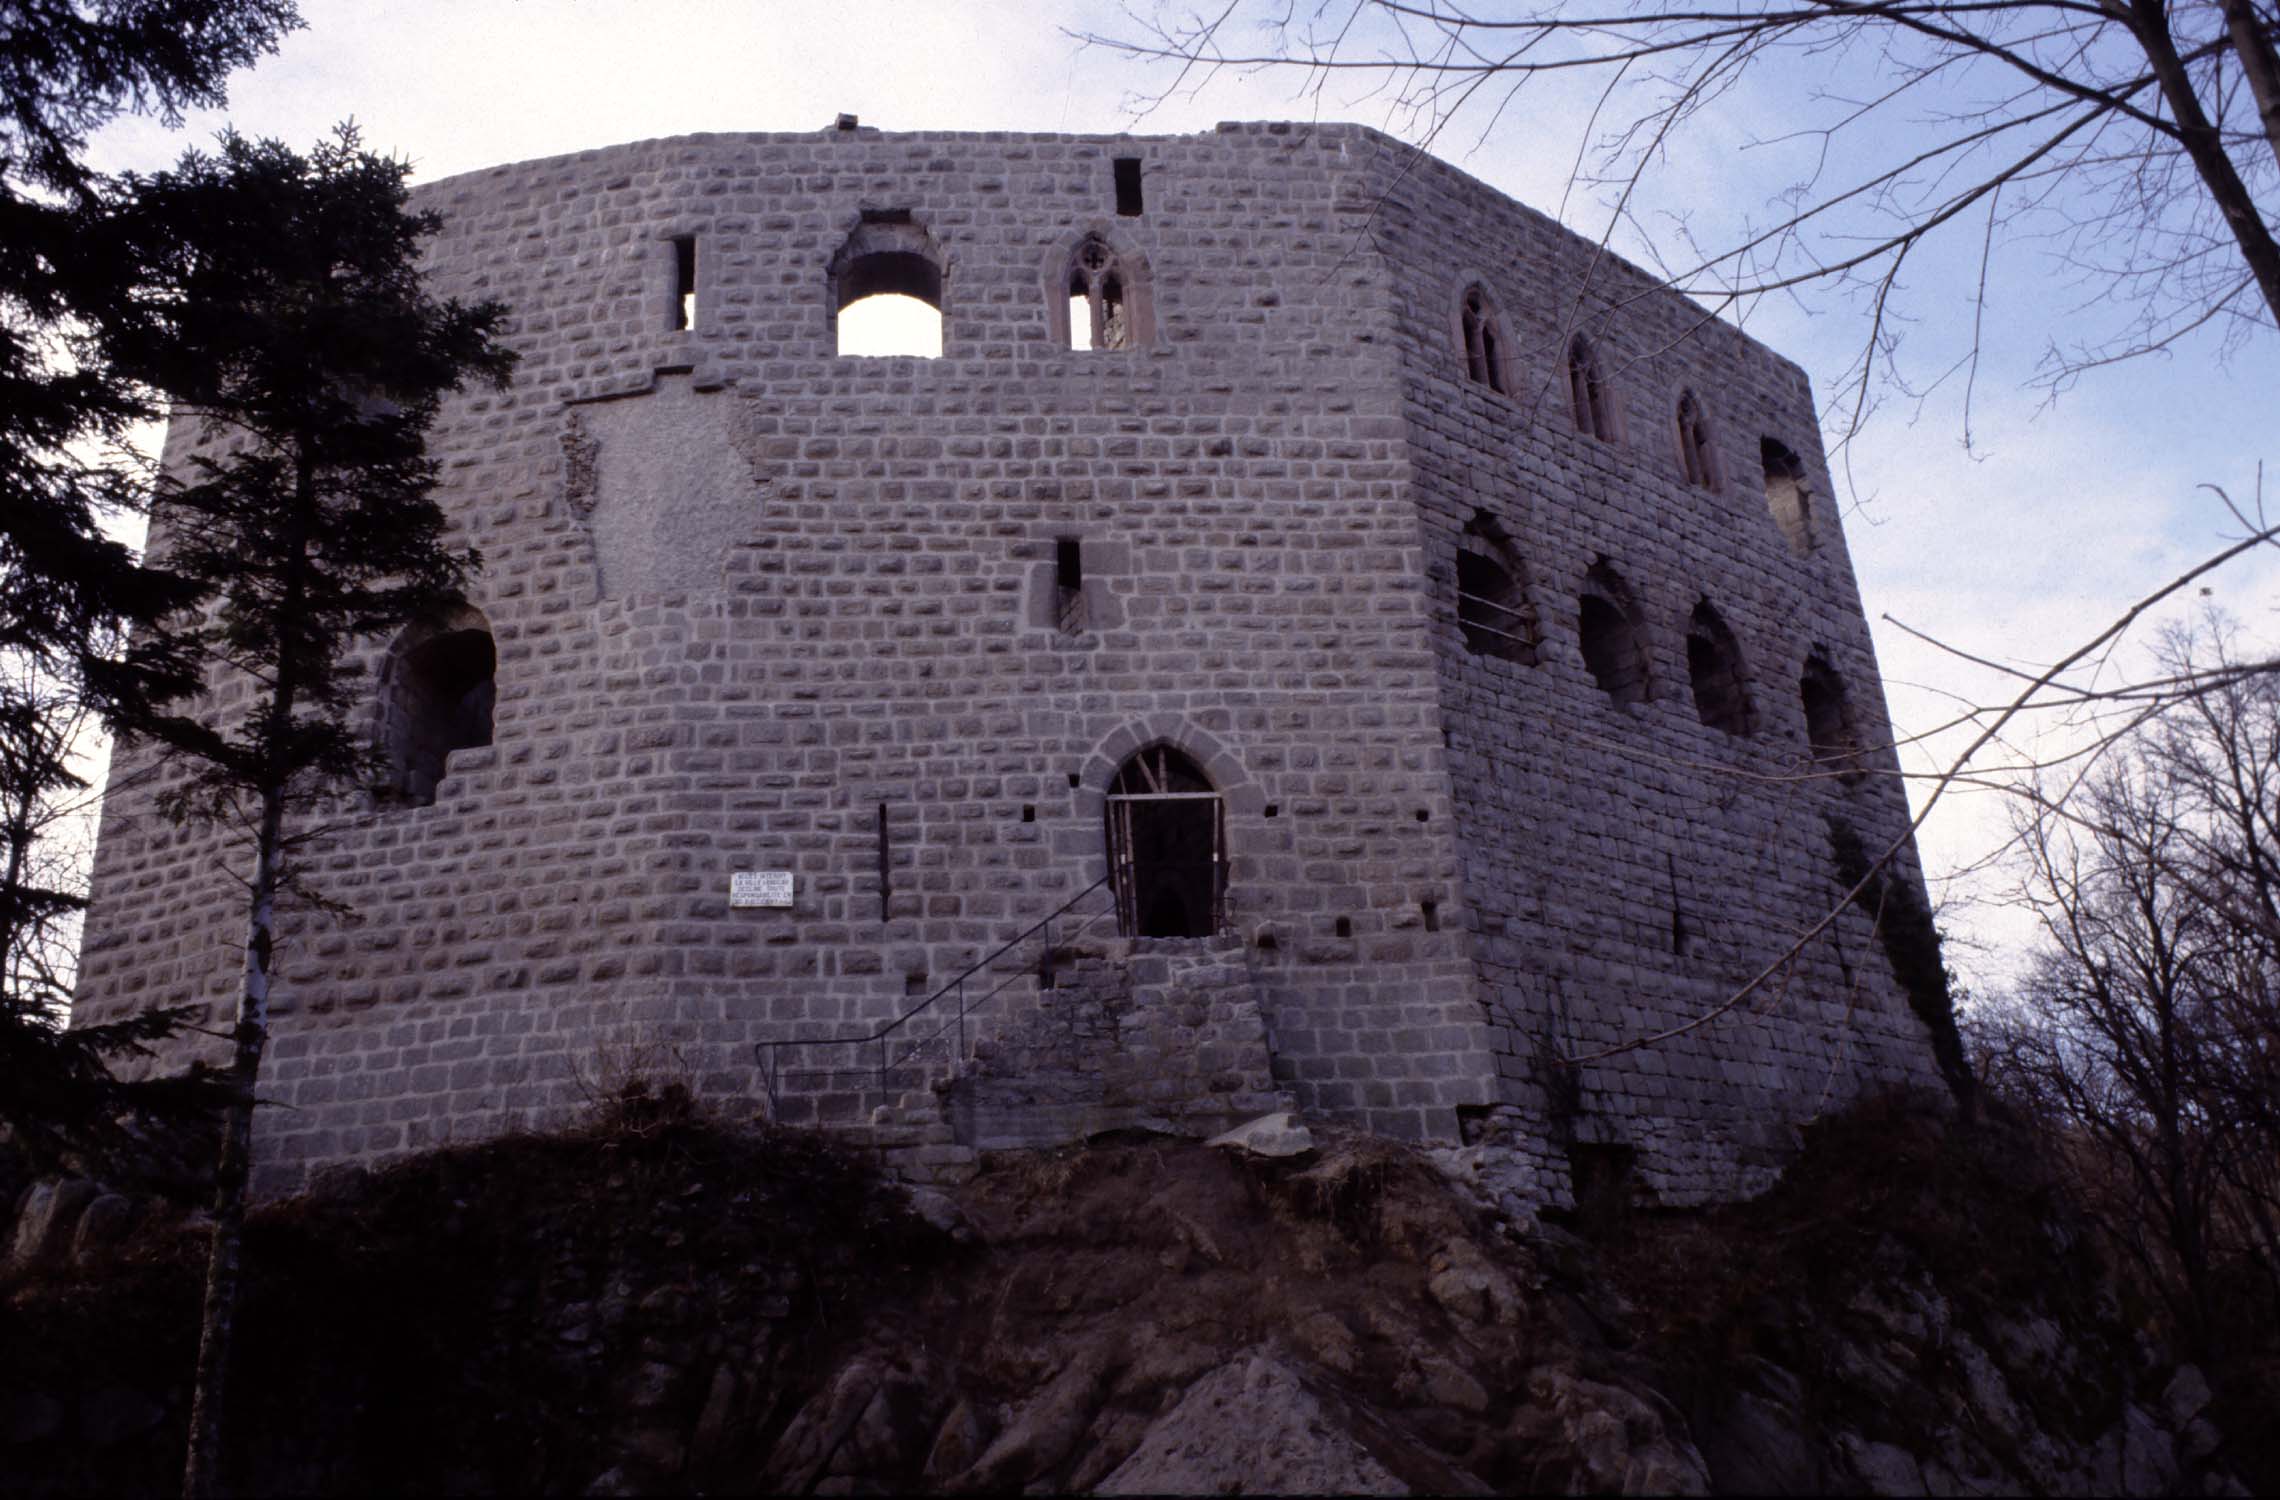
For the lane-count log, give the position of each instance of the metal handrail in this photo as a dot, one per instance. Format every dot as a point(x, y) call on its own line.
point(764, 1053)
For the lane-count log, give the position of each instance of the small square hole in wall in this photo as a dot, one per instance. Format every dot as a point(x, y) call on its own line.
point(1432, 915)
point(1274, 809)
point(1424, 816)
point(1075, 781)
point(1267, 940)
point(1028, 812)
point(1346, 927)
point(1128, 186)
point(915, 983)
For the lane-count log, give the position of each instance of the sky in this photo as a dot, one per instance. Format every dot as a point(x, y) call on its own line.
point(2059, 513)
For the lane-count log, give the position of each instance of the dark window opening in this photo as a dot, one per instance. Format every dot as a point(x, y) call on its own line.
point(1588, 394)
point(1345, 927)
point(1100, 314)
point(914, 983)
point(1267, 941)
point(1028, 812)
point(1695, 454)
point(1424, 816)
point(438, 689)
point(1484, 355)
point(1829, 726)
point(1786, 495)
point(685, 282)
point(1128, 186)
point(1432, 915)
point(1614, 645)
point(1167, 847)
point(1274, 809)
point(1492, 607)
point(1075, 781)
point(1069, 584)
point(1714, 666)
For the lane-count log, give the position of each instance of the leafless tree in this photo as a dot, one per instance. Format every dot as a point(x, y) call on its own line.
point(2148, 1028)
point(2137, 142)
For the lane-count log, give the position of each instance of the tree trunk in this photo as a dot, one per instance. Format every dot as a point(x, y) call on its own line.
point(224, 1265)
point(218, 1319)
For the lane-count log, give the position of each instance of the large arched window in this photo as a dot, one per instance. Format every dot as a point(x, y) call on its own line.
point(1492, 599)
point(1481, 332)
point(1167, 847)
point(887, 288)
point(1593, 403)
point(438, 684)
point(1830, 727)
point(1612, 638)
point(1714, 668)
point(1786, 496)
point(1697, 457)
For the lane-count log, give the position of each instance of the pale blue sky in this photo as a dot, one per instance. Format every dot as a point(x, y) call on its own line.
point(2064, 511)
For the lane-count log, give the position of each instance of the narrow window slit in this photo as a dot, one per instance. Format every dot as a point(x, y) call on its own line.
point(1128, 187)
point(1069, 583)
point(685, 282)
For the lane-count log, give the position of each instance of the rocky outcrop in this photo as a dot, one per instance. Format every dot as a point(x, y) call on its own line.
point(661, 1305)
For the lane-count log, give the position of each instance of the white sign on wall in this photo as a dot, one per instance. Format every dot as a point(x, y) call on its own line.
point(760, 888)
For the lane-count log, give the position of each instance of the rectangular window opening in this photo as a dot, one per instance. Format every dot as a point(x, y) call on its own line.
point(685, 282)
point(1128, 186)
point(1069, 583)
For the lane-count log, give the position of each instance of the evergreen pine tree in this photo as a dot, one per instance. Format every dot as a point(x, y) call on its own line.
point(288, 325)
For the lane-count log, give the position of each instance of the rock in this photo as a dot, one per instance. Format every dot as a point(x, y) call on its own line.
point(957, 1445)
point(49, 1218)
point(1251, 1427)
point(819, 1427)
point(1579, 1436)
point(29, 1416)
point(940, 1210)
point(117, 1413)
point(102, 1226)
point(1757, 1445)
point(1471, 1288)
point(1045, 1431)
point(2186, 1396)
point(1332, 1344)
point(1269, 1135)
point(2149, 1458)
point(1451, 1386)
point(1883, 1469)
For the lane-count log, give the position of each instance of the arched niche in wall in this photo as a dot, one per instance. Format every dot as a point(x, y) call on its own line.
point(1832, 731)
point(1786, 495)
point(1493, 611)
point(1099, 295)
point(1612, 636)
point(1697, 452)
point(888, 282)
point(1167, 846)
point(438, 685)
point(1714, 670)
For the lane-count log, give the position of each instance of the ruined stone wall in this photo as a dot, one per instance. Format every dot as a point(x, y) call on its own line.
point(754, 603)
point(746, 592)
point(1628, 866)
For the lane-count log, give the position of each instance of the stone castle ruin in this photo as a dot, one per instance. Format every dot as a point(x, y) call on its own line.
point(1319, 635)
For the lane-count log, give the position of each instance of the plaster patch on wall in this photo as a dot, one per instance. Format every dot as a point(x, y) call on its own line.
point(671, 496)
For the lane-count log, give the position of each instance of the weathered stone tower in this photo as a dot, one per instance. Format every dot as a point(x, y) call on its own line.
point(1396, 644)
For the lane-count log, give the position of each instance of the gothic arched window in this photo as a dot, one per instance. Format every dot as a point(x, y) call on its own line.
point(1105, 295)
point(1588, 393)
point(1483, 336)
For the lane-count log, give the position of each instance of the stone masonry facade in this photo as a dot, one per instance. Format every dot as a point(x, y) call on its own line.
point(1476, 605)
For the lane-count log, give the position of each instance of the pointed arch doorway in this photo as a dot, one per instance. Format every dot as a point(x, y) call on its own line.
point(1167, 847)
